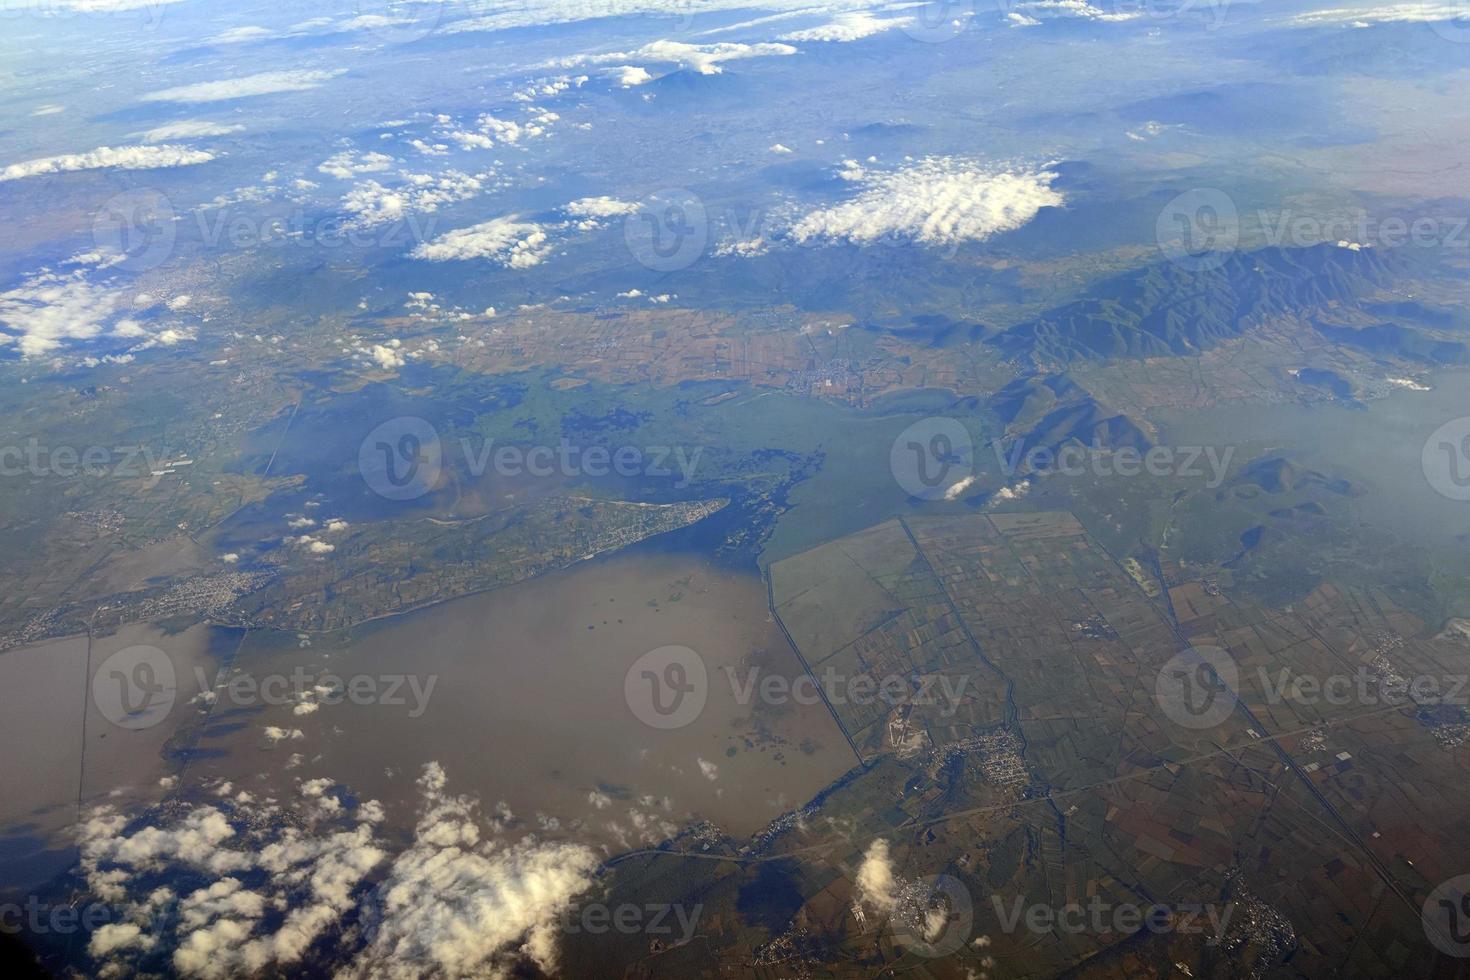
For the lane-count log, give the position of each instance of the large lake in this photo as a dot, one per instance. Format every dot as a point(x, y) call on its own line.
point(528, 708)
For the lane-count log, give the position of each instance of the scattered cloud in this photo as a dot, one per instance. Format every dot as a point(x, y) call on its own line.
point(50, 307)
point(489, 130)
point(1012, 493)
point(371, 203)
point(591, 213)
point(600, 207)
point(453, 905)
point(387, 356)
point(956, 490)
point(349, 163)
point(509, 242)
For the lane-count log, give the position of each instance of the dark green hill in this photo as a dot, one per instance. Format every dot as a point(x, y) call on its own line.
point(1165, 309)
point(1277, 475)
point(1397, 340)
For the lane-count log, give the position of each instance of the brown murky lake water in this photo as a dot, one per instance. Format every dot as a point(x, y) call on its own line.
point(520, 695)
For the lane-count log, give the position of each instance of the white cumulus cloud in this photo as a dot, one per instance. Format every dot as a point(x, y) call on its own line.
point(848, 27)
point(591, 213)
point(509, 242)
point(600, 207)
point(371, 203)
point(629, 76)
point(875, 880)
point(109, 158)
point(350, 162)
point(48, 308)
point(936, 201)
point(454, 905)
point(241, 888)
point(705, 59)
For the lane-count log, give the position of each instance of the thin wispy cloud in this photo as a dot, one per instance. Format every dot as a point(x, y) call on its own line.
point(265, 83)
point(189, 129)
point(1398, 13)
